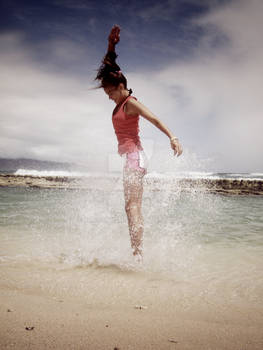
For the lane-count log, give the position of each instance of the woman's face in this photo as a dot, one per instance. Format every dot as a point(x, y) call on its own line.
point(114, 92)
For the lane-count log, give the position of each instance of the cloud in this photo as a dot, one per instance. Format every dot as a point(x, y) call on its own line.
point(170, 10)
point(75, 4)
point(234, 73)
point(159, 11)
point(47, 114)
point(218, 91)
point(51, 114)
point(212, 100)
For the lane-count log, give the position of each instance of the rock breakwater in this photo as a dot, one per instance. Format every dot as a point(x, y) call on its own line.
point(224, 186)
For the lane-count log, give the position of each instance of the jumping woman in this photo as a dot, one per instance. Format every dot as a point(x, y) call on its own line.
point(125, 118)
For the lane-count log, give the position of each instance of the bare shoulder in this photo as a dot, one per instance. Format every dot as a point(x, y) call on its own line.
point(133, 107)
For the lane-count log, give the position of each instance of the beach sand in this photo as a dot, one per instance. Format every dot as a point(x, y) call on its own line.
point(98, 308)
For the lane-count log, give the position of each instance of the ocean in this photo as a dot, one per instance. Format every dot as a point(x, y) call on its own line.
point(210, 240)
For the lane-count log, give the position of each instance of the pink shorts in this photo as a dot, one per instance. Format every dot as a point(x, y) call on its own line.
point(136, 160)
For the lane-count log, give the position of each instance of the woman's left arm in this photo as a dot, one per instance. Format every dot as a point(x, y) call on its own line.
point(134, 107)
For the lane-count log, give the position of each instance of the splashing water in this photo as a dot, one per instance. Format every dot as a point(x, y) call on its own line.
point(82, 227)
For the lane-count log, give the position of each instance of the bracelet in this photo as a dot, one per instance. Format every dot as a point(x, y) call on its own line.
point(173, 138)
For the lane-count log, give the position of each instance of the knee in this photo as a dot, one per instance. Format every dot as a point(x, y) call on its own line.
point(130, 206)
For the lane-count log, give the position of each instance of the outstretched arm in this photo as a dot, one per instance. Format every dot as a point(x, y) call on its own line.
point(134, 107)
point(113, 38)
point(109, 61)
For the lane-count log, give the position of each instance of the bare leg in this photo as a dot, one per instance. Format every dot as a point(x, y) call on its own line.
point(133, 190)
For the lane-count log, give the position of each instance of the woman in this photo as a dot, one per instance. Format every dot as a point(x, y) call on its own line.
point(125, 120)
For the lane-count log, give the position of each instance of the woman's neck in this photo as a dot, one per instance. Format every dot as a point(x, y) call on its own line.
point(123, 97)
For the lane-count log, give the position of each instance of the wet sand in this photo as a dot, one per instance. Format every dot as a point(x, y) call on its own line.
point(99, 308)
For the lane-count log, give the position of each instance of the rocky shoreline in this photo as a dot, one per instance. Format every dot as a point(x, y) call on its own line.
point(224, 186)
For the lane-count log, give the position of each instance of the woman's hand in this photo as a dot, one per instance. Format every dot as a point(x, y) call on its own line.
point(176, 146)
point(114, 36)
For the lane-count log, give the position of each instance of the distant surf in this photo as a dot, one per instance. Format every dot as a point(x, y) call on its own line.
point(180, 175)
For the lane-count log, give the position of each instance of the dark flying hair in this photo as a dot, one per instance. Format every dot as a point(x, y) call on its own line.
point(109, 73)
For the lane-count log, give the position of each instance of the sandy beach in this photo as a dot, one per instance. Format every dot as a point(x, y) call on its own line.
point(99, 308)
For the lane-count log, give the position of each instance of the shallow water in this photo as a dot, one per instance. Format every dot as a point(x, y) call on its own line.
point(208, 244)
point(80, 226)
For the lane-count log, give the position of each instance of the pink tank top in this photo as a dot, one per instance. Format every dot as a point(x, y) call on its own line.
point(127, 130)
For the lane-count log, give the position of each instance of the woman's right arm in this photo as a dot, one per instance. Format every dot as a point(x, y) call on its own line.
point(114, 38)
point(135, 107)
point(109, 60)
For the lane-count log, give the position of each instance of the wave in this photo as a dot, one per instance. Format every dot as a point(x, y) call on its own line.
point(59, 173)
point(242, 176)
point(195, 175)
point(152, 174)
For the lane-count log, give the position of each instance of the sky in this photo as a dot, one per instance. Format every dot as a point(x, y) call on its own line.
point(196, 64)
